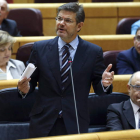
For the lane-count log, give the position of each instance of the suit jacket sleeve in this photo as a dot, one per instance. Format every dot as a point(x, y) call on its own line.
point(113, 119)
point(98, 71)
point(123, 64)
point(35, 75)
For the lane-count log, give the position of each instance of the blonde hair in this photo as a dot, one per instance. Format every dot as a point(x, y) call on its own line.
point(6, 38)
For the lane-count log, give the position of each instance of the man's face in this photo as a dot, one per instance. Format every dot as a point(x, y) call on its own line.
point(137, 42)
point(3, 10)
point(135, 91)
point(66, 26)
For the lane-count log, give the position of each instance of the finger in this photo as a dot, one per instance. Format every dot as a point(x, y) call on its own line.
point(22, 81)
point(112, 73)
point(108, 68)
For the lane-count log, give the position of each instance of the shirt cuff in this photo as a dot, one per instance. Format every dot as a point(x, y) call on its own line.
point(105, 89)
point(23, 95)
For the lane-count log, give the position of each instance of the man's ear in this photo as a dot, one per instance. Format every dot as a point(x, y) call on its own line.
point(128, 88)
point(79, 26)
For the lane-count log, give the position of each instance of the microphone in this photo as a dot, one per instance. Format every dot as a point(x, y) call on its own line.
point(70, 61)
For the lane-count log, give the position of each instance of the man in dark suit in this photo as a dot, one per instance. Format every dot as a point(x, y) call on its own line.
point(126, 115)
point(54, 111)
point(6, 24)
point(128, 61)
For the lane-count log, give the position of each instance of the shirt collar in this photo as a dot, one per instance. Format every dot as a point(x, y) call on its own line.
point(10, 64)
point(134, 106)
point(74, 43)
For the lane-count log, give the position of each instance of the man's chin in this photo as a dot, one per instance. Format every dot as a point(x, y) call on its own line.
point(61, 35)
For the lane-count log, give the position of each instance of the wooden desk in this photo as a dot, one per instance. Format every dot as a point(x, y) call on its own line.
point(119, 83)
point(107, 42)
point(112, 135)
point(101, 18)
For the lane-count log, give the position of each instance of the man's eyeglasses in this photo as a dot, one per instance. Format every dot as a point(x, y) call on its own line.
point(66, 20)
point(137, 38)
point(135, 87)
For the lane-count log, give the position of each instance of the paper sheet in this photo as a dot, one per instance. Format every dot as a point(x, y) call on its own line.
point(28, 71)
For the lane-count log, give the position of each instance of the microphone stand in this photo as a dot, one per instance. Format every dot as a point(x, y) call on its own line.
point(70, 61)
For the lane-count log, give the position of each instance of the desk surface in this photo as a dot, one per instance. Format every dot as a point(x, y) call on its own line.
point(119, 83)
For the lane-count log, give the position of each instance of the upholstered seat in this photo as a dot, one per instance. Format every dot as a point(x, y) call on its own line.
point(29, 21)
point(23, 53)
point(14, 113)
point(110, 58)
point(124, 25)
point(98, 109)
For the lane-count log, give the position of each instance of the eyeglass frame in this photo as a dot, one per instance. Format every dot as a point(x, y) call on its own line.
point(66, 20)
point(135, 87)
point(137, 38)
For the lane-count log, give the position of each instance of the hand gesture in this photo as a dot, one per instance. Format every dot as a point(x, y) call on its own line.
point(23, 85)
point(107, 77)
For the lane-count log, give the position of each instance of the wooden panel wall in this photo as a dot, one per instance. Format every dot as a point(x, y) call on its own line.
point(32, 1)
point(101, 18)
point(107, 42)
point(119, 81)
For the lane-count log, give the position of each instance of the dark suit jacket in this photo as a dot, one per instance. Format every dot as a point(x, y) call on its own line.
point(120, 116)
point(10, 26)
point(128, 61)
point(87, 68)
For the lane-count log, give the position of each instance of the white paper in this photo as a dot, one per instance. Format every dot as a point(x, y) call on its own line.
point(28, 71)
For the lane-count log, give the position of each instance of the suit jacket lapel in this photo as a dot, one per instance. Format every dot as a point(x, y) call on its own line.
point(53, 60)
point(129, 114)
point(79, 60)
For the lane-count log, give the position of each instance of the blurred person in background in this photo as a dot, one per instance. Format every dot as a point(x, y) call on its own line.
point(7, 25)
point(12, 68)
point(128, 61)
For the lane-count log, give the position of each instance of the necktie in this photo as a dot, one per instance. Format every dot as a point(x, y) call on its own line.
point(65, 64)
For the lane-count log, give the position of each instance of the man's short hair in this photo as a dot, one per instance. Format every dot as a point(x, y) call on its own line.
point(76, 8)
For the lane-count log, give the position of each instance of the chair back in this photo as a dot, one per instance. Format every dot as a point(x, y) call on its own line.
point(13, 108)
point(124, 25)
point(110, 58)
point(23, 52)
point(29, 21)
point(98, 109)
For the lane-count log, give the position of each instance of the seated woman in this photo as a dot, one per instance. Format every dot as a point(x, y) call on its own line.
point(9, 68)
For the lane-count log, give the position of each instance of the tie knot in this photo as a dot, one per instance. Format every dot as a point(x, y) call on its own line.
point(67, 46)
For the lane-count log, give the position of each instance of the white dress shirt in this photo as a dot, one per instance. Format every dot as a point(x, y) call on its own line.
point(136, 113)
point(8, 72)
point(72, 49)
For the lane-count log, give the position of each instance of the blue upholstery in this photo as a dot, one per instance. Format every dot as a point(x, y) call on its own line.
point(98, 109)
point(14, 112)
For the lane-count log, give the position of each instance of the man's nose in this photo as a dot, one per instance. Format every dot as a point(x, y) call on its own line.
point(62, 21)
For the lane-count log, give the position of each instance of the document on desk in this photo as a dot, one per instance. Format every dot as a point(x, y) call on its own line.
point(28, 71)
